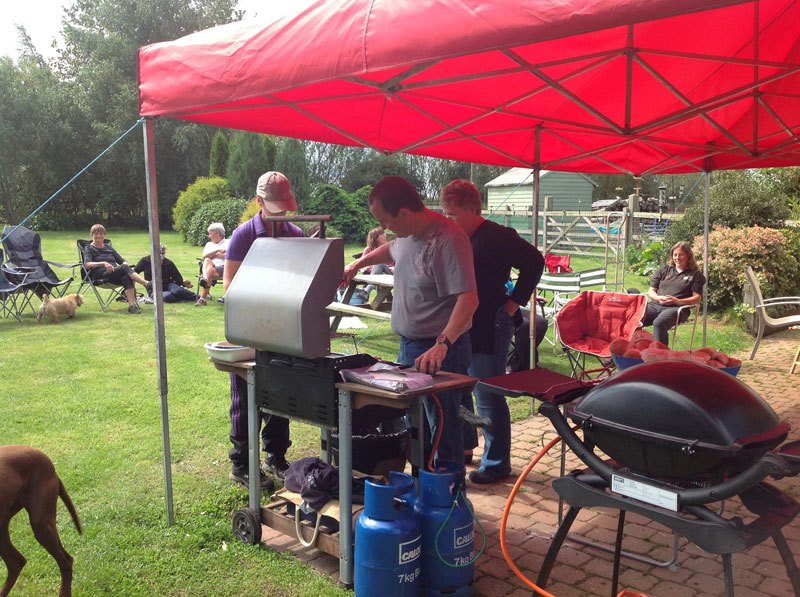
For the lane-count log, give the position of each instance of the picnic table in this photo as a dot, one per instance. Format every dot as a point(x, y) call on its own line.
point(378, 308)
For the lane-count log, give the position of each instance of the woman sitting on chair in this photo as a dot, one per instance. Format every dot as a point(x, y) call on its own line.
point(106, 265)
point(678, 283)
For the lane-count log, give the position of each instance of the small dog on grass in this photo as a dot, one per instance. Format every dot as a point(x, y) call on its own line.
point(28, 480)
point(53, 307)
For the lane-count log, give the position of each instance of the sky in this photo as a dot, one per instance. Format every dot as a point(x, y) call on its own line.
point(42, 19)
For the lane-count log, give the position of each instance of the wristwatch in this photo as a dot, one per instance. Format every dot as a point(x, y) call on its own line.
point(442, 339)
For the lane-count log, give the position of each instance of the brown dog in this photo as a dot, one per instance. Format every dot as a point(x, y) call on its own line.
point(53, 307)
point(28, 480)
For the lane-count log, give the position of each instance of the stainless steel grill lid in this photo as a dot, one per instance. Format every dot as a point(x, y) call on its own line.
point(277, 299)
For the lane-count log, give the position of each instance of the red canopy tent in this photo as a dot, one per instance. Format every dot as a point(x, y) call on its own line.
point(636, 86)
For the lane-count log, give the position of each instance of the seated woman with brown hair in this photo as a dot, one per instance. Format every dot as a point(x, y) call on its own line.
point(678, 283)
point(106, 265)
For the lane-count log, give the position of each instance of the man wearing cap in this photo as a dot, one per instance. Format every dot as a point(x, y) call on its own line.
point(175, 287)
point(435, 295)
point(275, 197)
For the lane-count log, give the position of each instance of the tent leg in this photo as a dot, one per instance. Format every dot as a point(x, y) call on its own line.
point(161, 348)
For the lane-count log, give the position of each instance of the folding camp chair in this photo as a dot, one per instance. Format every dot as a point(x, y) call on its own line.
point(690, 320)
point(553, 292)
point(587, 324)
point(9, 293)
point(557, 264)
point(23, 248)
point(114, 291)
point(593, 277)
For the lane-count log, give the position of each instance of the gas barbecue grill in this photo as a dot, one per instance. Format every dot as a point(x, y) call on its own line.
point(276, 304)
point(677, 437)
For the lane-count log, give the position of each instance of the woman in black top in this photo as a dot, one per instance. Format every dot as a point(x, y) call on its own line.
point(678, 283)
point(106, 265)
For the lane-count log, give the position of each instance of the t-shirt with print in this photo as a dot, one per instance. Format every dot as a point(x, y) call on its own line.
point(430, 272)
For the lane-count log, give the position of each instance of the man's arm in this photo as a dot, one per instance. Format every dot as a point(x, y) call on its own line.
point(379, 255)
point(212, 253)
point(460, 320)
point(231, 267)
point(530, 263)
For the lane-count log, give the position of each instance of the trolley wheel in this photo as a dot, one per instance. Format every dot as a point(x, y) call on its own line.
point(247, 526)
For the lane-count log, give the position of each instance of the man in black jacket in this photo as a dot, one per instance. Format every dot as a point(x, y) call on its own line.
point(496, 249)
point(175, 287)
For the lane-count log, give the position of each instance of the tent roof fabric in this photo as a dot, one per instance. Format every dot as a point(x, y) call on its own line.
point(636, 86)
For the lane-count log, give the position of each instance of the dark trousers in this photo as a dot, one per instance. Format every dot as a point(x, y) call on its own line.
point(274, 429)
point(663, 318)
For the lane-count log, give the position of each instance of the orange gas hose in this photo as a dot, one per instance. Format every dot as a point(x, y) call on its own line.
point(507, 510)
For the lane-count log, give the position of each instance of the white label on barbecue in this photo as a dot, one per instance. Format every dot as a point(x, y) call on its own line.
point(663, 498)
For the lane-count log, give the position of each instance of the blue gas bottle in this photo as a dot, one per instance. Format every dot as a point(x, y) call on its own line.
point(388, 541)
point(448, 533)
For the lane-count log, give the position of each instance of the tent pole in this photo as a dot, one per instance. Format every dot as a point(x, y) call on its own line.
point(161, 349)
point(706, 216)
point(534, 352)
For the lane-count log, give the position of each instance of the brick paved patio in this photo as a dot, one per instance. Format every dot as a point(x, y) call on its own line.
point(586, 571)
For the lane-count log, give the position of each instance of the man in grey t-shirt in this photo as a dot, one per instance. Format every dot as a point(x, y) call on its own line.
point(435, 294)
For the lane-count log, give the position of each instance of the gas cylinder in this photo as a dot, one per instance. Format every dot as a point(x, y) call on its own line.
point(448, 535)
point(388, 541)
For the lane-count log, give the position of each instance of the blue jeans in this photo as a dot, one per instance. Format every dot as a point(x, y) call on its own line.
point(175, 292)
point(451, 446)
point(496, 435)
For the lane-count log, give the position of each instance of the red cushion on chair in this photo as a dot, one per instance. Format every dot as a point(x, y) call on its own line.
point(589, 322)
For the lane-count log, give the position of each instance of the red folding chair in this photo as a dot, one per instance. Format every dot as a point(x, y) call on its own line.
point(587, 324)
point(557, 264)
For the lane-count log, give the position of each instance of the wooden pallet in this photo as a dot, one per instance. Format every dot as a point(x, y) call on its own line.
point(277, 515)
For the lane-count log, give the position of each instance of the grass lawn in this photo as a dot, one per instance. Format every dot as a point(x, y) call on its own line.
point(86, 392)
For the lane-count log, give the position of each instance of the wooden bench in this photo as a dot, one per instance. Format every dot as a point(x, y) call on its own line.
point(340, 309)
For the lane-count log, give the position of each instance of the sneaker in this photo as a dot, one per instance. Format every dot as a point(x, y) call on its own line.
point(201, 302)
point(484, 477)
point(203, 283)
point(134, 309)
point(276, 464)
point(241, 475)
point(147, 301)
point(221, 300)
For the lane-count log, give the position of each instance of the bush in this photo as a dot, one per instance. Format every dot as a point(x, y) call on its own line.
point(227, 211)
point(350, 212)
point(738, 199)
point(770, 252)
point(648, 259)
point(201, 191)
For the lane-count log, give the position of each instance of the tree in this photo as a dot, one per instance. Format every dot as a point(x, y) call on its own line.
point(291, 160)
point(270, 152)
point(96, 73)
point(219, 155)
point(246, 163)
point(741, 198)
point(375, 167)
point(350, 213)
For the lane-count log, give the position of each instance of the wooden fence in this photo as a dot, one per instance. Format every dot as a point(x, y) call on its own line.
point(587, 232)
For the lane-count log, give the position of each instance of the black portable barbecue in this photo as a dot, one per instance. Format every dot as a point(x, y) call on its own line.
point(679, 437)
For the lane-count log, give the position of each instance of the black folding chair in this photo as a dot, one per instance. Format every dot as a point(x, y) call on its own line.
point(113, 290)
point(23, 248)
point(9, 293)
